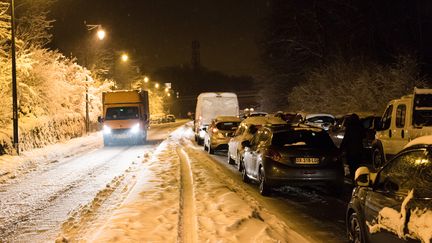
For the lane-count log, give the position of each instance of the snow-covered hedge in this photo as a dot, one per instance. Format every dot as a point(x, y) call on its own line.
point(52, 92)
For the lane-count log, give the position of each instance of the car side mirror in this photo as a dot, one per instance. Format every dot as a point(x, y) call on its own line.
point(362, 177)
point(100, 119)
point(246, 144)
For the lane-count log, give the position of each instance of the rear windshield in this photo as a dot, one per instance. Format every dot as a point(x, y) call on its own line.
point(121, 113)
point(227, 125)
point(304, 138)
point(321, 119)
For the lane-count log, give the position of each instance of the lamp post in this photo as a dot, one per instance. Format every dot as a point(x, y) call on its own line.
point(100, 35)
point(14, 81)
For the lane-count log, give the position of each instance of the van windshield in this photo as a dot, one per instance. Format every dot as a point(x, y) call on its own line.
point(122, 113)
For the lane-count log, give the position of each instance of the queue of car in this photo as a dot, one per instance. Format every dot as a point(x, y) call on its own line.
point(392, 196)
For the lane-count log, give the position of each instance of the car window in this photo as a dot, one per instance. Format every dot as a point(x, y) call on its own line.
point(306, 138)
point(227, 125)
point(118, 113)
point(410, 170)
point(321, 119)
point(240, 130)
point(400, 116)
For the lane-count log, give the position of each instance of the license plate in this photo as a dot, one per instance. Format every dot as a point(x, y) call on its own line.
point(307, 161)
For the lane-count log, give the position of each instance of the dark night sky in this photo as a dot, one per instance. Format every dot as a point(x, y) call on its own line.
point(158, 33)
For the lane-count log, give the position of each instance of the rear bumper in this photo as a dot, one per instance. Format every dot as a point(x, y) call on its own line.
point(280, 174)
point(220, 143)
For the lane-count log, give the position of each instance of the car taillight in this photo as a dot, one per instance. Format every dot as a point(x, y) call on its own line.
point(215, 130)
point(274, 155)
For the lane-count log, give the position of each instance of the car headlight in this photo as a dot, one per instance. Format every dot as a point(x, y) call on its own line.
point(135, 128)
point(106, 129)
point(202, 133)
point(340, 136)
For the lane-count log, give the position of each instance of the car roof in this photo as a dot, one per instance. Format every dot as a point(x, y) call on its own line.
point(264, 120)
point(318, 115)
point(290, 128)
point(424, 140)
point(227, 118)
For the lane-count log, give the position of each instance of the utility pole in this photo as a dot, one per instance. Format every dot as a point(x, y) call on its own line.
point(14, 82)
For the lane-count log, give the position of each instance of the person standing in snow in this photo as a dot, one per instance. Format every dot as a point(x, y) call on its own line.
point(352, 143)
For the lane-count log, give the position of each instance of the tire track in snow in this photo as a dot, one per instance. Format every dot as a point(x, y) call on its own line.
point(187, 217)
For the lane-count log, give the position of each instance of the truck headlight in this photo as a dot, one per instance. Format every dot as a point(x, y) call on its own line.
point(135, 128)
point(106, 129)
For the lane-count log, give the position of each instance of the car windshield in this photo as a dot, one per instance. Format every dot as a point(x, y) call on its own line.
point(227, 125)
point(122, 113)
point(321, 119)
point(305, 138)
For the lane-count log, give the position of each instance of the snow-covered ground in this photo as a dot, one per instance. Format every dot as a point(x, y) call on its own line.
point(167, 191)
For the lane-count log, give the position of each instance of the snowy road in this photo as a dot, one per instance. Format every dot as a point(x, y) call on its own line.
point(66, 192)
point(167, 191)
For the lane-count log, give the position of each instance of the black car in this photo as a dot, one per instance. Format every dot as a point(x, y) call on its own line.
point(292, 156)
point(395, 203)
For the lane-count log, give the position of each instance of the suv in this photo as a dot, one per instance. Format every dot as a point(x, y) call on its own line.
point(403, 120)
point(394, 204)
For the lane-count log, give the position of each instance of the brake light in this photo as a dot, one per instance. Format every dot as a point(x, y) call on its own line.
point(274, 155)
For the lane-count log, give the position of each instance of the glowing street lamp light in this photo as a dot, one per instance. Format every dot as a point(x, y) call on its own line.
point(169, 94)
point(101, 34)
point(124, 57)
point(146, 79)
point(157, 85)
point(167, 89)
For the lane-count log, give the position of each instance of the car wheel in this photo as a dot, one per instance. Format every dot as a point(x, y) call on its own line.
point(230, 160)
point(239, 162)
point(264, 188)
point(355, 233)
point(205, 147)
point(378, 158)
point(210, 150)
point(245, 177)
point(200, 141)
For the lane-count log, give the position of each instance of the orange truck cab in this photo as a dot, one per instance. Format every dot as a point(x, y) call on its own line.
point(125, 116)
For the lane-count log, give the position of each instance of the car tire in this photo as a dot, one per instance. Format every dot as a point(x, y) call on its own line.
point(230, 160)
point(200, 141)
point(354, 229)
point(210, 150)
point(378, 158)
point(239, 162)
point(245, 177)
point(264, 188)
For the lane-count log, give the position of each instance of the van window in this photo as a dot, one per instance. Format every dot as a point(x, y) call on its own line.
point(227, 125)
point(400, 116)
point(122, 113)
point(386, 119)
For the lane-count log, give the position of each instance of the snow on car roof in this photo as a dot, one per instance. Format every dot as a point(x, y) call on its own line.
point(420, 140)
point(317, 115)
point(261, 120)
point(227, 118)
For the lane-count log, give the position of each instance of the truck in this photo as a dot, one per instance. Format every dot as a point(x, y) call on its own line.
point(125, 116)
point(210, 105)
point(403, 120)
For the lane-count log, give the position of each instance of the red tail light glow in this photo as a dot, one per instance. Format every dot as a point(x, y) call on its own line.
point(274, 155)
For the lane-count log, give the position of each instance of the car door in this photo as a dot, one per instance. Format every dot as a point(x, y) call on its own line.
point(383, 209)
point(233, 143)
point(250, 161)
point(261, 146)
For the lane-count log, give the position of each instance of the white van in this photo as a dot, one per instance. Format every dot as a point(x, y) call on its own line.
point(210, 105)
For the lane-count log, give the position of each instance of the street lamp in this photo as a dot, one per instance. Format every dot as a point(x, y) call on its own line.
point(100, 35)
point(124, 57)
point(14, 81)
point(146, 79)
point(157, 85)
